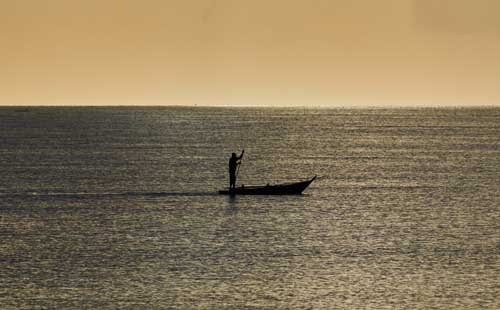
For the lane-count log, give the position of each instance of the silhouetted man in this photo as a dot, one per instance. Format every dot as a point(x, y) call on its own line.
point(234, 161)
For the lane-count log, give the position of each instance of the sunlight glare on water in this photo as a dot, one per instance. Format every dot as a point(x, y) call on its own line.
point(117, 207)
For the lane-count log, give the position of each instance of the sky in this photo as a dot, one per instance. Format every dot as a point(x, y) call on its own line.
point(259, 52)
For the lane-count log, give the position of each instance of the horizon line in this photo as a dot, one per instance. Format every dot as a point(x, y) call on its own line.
point(253, 106)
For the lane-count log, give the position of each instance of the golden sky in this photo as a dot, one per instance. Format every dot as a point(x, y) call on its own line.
point(258, 52)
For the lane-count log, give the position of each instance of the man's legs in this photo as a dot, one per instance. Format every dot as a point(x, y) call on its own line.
point(232, 181)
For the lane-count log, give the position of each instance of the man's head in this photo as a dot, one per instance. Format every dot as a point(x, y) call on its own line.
point(233, 155)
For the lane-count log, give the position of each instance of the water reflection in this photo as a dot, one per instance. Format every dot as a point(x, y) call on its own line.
point(109, 208)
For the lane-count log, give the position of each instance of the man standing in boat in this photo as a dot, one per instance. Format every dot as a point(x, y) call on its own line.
point(234, 161)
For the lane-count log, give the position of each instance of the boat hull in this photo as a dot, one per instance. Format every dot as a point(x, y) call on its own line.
point(279, 189)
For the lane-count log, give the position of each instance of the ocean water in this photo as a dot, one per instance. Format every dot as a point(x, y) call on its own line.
point(117, 208)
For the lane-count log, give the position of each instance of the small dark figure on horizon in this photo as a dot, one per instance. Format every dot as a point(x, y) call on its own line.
point(234, 161)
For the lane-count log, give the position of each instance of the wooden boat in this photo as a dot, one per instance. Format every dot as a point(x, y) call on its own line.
point(278, 189)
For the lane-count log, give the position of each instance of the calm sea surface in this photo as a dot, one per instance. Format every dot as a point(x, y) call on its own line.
point(117, 208)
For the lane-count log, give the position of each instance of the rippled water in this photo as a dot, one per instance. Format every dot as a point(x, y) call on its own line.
point(117, 207)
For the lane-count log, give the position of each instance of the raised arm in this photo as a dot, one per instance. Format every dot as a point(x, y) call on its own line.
point(241, 155)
